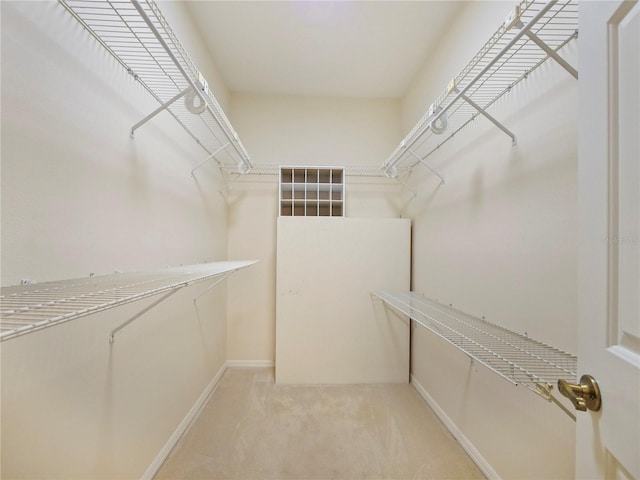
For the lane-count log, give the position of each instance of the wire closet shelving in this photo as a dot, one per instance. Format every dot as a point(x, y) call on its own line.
point(28, 308)
point(515, 357)
point(350, 170)
point(138, 36)
point(532, 32)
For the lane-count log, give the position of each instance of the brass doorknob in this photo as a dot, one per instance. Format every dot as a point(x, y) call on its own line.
point(585, 395)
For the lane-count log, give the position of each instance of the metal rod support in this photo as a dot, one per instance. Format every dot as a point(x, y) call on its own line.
point(565, 409)
point(543, 11)
point(232, 138)
point(552, 53)
point(162, 107)
point(210, 157)
point(428, 166)
point(112, 337)
point(220, 280)
point(490, 118)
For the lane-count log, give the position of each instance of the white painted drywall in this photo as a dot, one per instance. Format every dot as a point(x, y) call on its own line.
point(80, 196)
point(281, 130)
point(499, 239)
point(329, 329)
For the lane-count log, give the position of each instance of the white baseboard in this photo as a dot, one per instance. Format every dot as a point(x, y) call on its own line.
point(184, 425)
point(249, 363)
point(471, 450)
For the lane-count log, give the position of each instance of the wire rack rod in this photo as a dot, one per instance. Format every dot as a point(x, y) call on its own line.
point(138, 36)
point(29, 308)
point(351, 170)
point(517, 358)
point(505, 60)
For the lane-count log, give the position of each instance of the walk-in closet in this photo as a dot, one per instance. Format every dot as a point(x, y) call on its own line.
point(320, 239)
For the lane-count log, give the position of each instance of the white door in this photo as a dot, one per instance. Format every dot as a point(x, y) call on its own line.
point(608, 441)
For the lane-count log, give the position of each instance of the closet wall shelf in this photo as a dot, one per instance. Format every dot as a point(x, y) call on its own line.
point(532, 32)
point(349, 170)
point(28, 308)
point(140, 39)
point(515, 357)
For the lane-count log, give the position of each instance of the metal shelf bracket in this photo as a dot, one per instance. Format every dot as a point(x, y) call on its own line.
point(212, 155)
point(215, 284)
point(162, 299)
point(491, 118)
point(161, 108)
point(428, 166)
point(112, 335)
point(513, 20)
point(549, 51)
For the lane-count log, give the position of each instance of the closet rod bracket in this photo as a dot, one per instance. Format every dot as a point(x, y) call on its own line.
point(552, 53)
point(161, 108)
point(112, 335)
point(491, 118)
point(212, 155)
point(420, 160)
point(545, 390)
point(210, 287)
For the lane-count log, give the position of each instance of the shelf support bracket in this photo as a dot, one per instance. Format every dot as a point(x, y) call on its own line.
point(162, 107)
point(545, 390)
point(428, 166)
point(220, 280)
point(489, 117)
point(112, 335)
point(210, 157)
point(552, 53)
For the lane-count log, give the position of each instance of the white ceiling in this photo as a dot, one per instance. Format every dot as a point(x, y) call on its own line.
point(325, 48)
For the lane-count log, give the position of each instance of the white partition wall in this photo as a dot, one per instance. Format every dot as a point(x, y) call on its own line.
point(328, 328)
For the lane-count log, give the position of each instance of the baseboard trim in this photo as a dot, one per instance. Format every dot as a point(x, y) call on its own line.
point(466, 444)
point(250, 363)
point(184, 425)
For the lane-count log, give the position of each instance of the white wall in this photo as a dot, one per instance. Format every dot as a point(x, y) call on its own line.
point(498, 239)
point(80, 196)
point(280, 130)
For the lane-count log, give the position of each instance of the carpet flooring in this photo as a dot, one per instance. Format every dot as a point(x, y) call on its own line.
point(253, 429)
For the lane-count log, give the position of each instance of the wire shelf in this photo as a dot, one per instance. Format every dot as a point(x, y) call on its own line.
point(29, 308)
point(350, 170)
point(507, 58)
point(139, 37)
point(515, 357)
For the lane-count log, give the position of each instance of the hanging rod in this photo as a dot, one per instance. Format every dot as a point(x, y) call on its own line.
point(29, 308)
point(517, 358)
point(506, 59)
point(138, 36)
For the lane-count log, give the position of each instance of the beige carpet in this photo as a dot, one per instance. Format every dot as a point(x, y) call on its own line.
point(253, 429)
